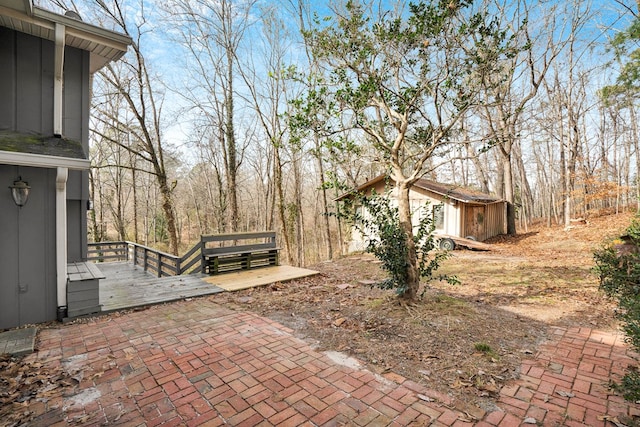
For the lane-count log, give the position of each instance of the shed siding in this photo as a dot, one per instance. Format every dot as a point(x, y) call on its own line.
point(460, 219)
point(493, 223)
point(495, 219)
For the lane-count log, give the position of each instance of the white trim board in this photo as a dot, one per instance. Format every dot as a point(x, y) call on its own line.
point(42, 161)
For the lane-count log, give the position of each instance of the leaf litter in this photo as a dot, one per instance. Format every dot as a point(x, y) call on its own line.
point(23, 383)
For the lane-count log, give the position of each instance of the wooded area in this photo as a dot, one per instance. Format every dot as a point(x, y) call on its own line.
point(235, 116)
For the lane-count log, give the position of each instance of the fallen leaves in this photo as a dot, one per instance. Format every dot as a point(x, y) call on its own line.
point(565, 394)
point(22, 383)
point(613, 420)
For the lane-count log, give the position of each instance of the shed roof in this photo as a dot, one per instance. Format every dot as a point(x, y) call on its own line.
point(457, 192)
point(104, 45)
point(451, 191)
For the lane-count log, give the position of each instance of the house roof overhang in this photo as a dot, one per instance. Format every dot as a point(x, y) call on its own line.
point(453, 192)
point(104, 45)
point(37, 151)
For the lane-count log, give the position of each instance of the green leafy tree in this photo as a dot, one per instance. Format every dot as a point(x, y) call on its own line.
point(405, 79)
point(379, 221)
point(624, 93)
point(618, 267)
point(626, 46)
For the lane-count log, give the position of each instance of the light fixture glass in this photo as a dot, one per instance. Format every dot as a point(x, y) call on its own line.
point(20, 191)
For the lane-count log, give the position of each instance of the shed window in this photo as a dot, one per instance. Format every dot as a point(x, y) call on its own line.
point(438, 216)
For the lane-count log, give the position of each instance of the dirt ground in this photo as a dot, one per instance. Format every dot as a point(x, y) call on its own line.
point(465, 340)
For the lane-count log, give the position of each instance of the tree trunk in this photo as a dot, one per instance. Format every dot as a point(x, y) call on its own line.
point(480, 171)
point(325, 205)
point(636, 146)
point(508, 194)
point(277, 176)
point(404, 213)
point(96, 230)
point(230, 138)
point(298, 214)
point(135, 203)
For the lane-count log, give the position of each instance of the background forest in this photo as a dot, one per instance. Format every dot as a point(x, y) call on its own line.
point(222, 117)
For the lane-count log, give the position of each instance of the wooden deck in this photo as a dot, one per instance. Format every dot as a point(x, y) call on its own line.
point(128, 286)
point(237, 280)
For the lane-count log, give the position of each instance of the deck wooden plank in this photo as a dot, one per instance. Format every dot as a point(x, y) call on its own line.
point(234, 281)
point(128, 286)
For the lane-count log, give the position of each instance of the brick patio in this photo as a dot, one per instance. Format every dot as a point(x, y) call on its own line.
point(567, 381)
point(197, 363)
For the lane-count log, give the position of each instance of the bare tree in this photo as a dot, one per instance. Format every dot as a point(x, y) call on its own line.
point(517, 83)
point(132, 80)
point(269, 98)
point(212, 32)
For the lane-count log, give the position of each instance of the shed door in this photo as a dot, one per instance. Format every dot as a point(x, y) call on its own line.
point(27, 249)
point(474, 222)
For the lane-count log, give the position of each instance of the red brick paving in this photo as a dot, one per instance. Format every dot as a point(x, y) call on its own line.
point(567, 382)
point(197, 363)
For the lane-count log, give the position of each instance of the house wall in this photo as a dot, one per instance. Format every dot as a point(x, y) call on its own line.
point(26, 105)
point(77, 199)
point(28, 287)
point(27, 242)
point(452, 214)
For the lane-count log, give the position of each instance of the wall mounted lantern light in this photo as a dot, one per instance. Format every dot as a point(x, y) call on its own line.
point(20, 191)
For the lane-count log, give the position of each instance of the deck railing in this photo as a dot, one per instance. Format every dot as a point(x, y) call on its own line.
point(158, 262)
point(238, 246)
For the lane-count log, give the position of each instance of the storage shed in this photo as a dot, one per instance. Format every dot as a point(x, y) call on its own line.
point(456, 211)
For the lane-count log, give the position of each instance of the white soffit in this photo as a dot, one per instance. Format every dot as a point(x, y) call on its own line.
point(104, 45)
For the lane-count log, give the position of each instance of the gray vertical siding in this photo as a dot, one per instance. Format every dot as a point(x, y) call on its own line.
point(28, 234)
point(26, 86)
point(26, 105)
point(76, 96)
point(27, 245)
point(76, 126)
point(7, 78)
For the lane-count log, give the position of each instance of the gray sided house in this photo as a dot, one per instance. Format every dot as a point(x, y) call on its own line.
point(456, 211)
point(46, 63)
